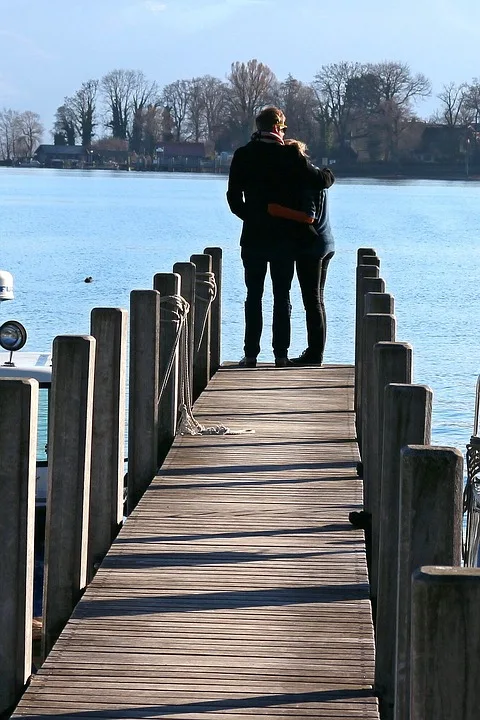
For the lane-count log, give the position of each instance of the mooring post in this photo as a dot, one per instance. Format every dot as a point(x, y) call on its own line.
point(168, 285)
point(368, 286)
point(430, 533)
point(109, 328)
point(407, 420)
point(69, 457)
point(371, 260)
point(143, 392)
point(216, 310)
point(186, 271)
point(379, 302)
point(361, 252)
point(445, 654)
point(18, 449)
point(376, 327)
point(363, 271)
point(203, 297)
point(392, 363)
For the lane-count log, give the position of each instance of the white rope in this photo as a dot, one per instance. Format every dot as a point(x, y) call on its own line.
point(178, 308)
point(179, 311)
point(187, 424)
point(471, 503)
point(208, 279)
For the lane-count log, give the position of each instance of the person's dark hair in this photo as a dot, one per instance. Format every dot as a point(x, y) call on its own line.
point(269, 117)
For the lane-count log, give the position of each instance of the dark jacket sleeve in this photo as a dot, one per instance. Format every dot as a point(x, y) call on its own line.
point(320, 178)
point(235, 197)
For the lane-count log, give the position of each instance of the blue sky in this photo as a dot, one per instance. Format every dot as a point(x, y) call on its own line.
point(47, 49)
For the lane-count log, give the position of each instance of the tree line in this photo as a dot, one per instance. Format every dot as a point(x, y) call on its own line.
point(345, 102)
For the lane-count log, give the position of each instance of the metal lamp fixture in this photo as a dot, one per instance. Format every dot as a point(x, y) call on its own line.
point(13, 336)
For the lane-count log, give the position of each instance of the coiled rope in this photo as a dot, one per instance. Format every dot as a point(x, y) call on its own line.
point(471, 503)
point(205, 279)
point(471, 493)
point(178, 308)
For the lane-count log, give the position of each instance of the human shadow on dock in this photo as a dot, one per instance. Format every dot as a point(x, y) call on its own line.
point(275, 413)
point(257, 467)
point(231, 599)
point(331, 527)
point(201, 559)
point(263, 442)
point(223, 485)
point(295, 700)
point(293, 388)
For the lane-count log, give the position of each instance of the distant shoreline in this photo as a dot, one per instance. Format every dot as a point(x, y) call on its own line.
point(358, 173)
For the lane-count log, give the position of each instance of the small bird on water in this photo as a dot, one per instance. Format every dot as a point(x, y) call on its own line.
point(88, 279)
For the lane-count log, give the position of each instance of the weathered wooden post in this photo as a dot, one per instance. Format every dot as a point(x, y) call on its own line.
point(430, 533)
point(109, 328)
point(445, 654)
point(377, 327)
point(369, 286)
point(186, 271)
point(69, 455)
point(393, 363)
point(203, 296)
point(361, 252)
point(407, 420)
point(143, 392)
point(379, 302)
point(18, 448)
point(363, 271)
point(216, 310)
point(168, 285)
point(371, 260)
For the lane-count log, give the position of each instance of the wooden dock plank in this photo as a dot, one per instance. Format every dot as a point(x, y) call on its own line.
point(237, 588)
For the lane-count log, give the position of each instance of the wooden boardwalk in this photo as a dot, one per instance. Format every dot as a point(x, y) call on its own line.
point(237, 588)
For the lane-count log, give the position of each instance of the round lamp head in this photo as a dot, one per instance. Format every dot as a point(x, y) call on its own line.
point(13, 335)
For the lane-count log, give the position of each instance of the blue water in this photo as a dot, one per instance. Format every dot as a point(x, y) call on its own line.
point(59, 226)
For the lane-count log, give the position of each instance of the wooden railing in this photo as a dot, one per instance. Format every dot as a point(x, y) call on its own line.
point(426, 607)
point(86, 445)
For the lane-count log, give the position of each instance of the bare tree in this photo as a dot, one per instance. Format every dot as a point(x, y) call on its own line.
point(10, 133)
point(452, 98)
point(176, 97)
point(145, 97)
point(82, 107)
point(251, 85)
point(336, 103)
point(398, 89)
point(196, 109)
point(471, 103)
point(117, 88)
point(152, 129)
point(397, 83)
point(215, 111)
point(31, 130)
point(300, 105)
point(64, 128)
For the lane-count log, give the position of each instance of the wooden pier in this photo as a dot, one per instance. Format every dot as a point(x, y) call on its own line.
point(237, 587)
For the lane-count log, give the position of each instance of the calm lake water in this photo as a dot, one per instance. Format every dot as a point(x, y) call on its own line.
point(57, 227)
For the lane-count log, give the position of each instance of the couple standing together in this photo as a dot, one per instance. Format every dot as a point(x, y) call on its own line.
point(281, 199)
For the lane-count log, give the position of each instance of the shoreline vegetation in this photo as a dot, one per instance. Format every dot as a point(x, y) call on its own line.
point(350, 113)
point(361, 171)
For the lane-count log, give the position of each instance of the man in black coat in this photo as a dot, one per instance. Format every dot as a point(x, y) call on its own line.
point(265, 171)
